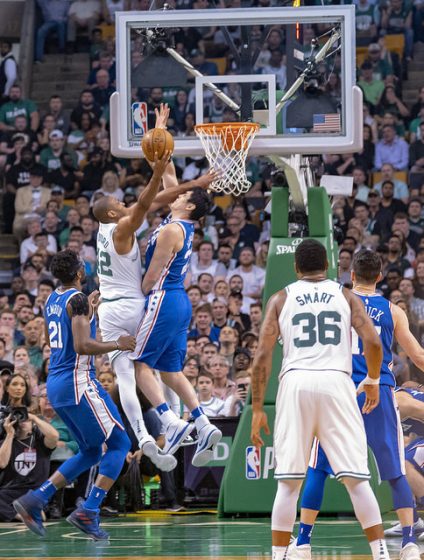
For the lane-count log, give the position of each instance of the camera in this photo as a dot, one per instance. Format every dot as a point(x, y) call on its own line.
point(17, 413)
point(242, 386)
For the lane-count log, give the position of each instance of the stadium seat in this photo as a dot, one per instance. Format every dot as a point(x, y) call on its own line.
point(399, 175)
point(395, 43)
point(221, 63)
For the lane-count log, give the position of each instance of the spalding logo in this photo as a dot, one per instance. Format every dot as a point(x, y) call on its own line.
point(284, 249)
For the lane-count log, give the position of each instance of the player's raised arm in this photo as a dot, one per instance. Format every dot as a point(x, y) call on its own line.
point(128, 225)
point(170, 241)
point(405, 338)
point(261, 369)
point(79, 310)
point(373, 351)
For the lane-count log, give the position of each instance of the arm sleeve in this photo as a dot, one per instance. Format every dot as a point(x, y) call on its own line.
point(11, 75)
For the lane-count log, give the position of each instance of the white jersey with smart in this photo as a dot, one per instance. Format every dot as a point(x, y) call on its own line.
point(315, 327)
point(120, 276)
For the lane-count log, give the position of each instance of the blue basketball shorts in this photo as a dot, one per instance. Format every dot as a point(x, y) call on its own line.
point(414, 453)
point(384, 436)
point(93, 419)
point(162, 334)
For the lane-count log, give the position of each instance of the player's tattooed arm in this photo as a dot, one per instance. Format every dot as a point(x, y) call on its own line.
point(79, 311)
point(363, 325)
point(262, 364)
point(268, 337)
point(405, 338)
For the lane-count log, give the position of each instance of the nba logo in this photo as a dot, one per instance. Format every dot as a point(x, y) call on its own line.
point(139, 120)
point(253, 463)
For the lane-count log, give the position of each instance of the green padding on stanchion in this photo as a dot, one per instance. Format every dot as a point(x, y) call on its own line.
point(320, 219)
point(280, 216)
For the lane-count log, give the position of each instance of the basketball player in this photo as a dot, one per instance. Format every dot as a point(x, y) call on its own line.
point(119, 272)
point(317, 396)
point(162, 335)
point(411, 410)
point(382, 426)
point(79, 400)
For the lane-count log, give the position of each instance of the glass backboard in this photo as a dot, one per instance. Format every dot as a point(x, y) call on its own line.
point(292, 70)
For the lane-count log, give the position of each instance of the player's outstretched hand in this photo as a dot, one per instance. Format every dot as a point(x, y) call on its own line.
point(205, 180)
point(160, 164)
point(162, 115)
point(372, 398)
point(259, 422)
point(126, 342)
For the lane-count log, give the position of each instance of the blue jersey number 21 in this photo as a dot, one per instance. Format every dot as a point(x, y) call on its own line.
point(55, 335)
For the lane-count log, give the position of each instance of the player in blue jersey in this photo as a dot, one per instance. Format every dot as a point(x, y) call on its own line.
point(162, 335)
point(79, 400)
point(382, 425)
point(411, 408)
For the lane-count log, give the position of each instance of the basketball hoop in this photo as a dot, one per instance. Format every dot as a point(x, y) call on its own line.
point(226, 147)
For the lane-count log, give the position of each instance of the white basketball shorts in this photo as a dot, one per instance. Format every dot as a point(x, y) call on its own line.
point(119, 317)
point(321, 404)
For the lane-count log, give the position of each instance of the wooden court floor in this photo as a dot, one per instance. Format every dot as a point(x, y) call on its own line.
point(172, 537)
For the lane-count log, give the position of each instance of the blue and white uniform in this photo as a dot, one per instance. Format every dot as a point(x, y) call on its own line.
point(414, 452)
point(162, 335)
point(72, 388)
point(382, 425)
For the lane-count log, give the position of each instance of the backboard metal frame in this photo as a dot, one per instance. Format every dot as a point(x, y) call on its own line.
point(349, 141)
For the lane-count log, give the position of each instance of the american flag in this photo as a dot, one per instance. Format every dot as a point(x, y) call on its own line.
point(327, 123)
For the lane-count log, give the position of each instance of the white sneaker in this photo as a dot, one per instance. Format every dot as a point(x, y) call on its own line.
point(420, 537)
point(209, 437)
point(410, 552)
point(302, 552)
point(175, 434)
point(163, 461)
point(396, 530)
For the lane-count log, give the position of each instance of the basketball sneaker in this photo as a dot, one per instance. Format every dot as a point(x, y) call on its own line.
point(30, 508)
point(302, 552)
point(396, 530)
point(175, 434)
point(87, 521)
point(410, 552)
point(163, 461)
point(209, 437)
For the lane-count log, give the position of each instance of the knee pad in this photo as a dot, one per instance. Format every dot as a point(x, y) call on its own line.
point(401, 492)
point(118, 445)
point(313, 492)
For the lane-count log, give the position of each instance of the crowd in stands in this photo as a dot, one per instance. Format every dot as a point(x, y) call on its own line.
point(56, 163)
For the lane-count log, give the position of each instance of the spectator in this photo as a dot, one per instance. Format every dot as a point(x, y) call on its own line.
point(29, 246)
point(223, 387)
point(242, 360)
point(236, 402)
point(400, 188)
point(55, 18)
point(396, 256)
point(22, 471)
point(31, 200)
point(206, 263)
point(209, 350)
point(6, 334)
point(94, 171)
point(105, 62)
point(64, 176)
point(194, 295)
point(372, 88)
point(345, 267)
point(221, 289)
point(87, 252)
point(191, 370)
point(255, 316)
point(219, 312)
point(416, 305)
point(33, 343)
point(416, 221)
point(59, 114)
point(83, 14)
point(381, 67)
point(203, 323)
point(225, 257)
point(31, 278)
point(396, 18)
point(205, 283)
point(228, 342)
point(85, 105)
point(110, 185)
point(50, 156)
point(253, 276)
point(18, 106)
point(210, 403)
point(389, 205)
point(401, 223)
point(416, 154)
point(236, 284)
point(391, 149)
point(8, 70)
point(102, 89)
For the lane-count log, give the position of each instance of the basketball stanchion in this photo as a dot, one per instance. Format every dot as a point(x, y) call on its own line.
point(226, 147)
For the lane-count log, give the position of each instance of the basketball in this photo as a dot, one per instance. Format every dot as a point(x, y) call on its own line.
point(157, 140)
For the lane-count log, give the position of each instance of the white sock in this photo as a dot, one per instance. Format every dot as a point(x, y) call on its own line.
point(379, 550)
point(279, 552)
point(168, 417)
point(171, 398)
point(124, 370)
point(201, 421)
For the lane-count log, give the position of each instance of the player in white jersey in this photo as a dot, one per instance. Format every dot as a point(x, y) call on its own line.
point(316, 396)
point(120, 277)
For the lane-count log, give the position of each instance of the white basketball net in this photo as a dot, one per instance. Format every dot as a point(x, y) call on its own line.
point(226, 147)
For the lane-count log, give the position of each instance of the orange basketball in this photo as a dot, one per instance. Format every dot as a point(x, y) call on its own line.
point(157, 140)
